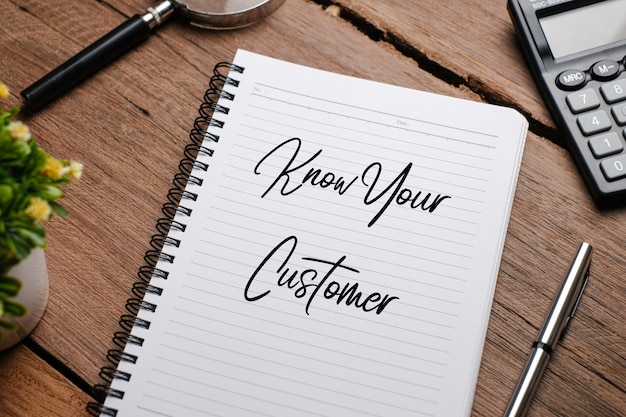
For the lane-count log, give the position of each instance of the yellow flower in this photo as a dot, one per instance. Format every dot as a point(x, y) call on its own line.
point(19, 131)
point(38, 209)
point(76, 170)
point(4, 90)
point(53, 168)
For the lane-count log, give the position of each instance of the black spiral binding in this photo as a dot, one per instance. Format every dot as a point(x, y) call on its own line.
point(149, 274)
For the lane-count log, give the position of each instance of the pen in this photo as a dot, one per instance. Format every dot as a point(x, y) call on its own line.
point(562, 310)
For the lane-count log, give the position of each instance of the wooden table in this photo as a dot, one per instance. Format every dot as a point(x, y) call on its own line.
point(128, 125)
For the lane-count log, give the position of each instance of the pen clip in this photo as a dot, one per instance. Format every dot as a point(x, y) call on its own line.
point(584, 254)
point(571, 314)
point(580, 294)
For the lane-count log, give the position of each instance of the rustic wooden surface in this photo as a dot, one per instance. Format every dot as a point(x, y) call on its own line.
point(128, 125)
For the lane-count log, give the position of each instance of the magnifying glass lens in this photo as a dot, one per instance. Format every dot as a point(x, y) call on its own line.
point(226, 14)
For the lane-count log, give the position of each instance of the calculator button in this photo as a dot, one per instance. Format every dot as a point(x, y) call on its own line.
point(619, 114)
point(571, 80)
point(614, 168)
point(594, 122)
point(614, 91)
point(605, 145)
point(583, 100)
point(605, 70)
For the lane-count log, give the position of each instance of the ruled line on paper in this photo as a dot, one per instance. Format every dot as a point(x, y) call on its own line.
point(377, 113)
point(195, 355)
point(417, 221)
point(399, 367)
point(152, 411)
point(463, 235)
point(305, 370)
point(412, 255)
point(265, 307)
point(390, 240)
point(421, 144)
point(261, 399)
point(271, 127)
point(383, 145)
point(206, 398)
point(264, 399)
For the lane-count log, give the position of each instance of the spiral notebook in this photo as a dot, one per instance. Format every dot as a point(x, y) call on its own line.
point(330, 248)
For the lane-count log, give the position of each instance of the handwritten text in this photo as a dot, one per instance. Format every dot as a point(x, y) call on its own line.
point(394, 193)
point(306, 285)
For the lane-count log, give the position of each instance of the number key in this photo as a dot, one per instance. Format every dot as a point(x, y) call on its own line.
point(594, 122)
point(614, 91)
point(583, 100)
point(605, 145)
point(614, 168)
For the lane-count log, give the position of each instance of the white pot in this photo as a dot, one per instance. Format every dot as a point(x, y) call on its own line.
point(33, 274)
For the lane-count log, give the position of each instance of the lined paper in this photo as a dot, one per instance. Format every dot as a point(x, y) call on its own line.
point(341, 256)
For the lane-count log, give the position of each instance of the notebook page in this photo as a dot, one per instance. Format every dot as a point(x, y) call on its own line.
point(341, 256)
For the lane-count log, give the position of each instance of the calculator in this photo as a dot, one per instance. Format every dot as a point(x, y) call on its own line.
point(576, 51)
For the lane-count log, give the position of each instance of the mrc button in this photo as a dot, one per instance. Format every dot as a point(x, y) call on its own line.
point(571, 79)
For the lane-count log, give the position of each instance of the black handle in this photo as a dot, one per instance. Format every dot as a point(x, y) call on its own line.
point(85, 63)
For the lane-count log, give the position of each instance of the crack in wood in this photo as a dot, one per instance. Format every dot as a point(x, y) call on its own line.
point(433, 67)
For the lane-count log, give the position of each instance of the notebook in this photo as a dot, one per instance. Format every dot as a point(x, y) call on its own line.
point(329, 248)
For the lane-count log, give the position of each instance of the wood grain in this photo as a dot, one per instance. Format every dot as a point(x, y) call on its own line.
point(30, 387)
point(128, 125)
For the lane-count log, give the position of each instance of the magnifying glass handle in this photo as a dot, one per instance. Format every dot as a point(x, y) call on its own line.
point(94, 57)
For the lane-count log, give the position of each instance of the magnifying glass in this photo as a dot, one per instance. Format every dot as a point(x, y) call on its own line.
point(209, 14)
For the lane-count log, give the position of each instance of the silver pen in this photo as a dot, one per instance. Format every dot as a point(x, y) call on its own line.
point(562, 310)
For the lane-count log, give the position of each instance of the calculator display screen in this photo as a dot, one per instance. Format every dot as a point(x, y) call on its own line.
point(585, 28)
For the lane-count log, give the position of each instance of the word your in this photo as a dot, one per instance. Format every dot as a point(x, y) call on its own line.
point(306, 285)
point(395, 192)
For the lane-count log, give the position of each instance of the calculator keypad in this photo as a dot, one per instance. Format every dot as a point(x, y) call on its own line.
point(600, 112)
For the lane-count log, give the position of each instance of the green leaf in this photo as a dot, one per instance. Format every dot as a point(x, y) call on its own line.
point(10, 286)
point(36, 238)
point(8, 326)
point(49, 192)
point(58, 209)
point(13, 309)
point(6, 194)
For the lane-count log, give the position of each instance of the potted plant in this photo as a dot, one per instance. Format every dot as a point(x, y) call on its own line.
point(30, 181)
